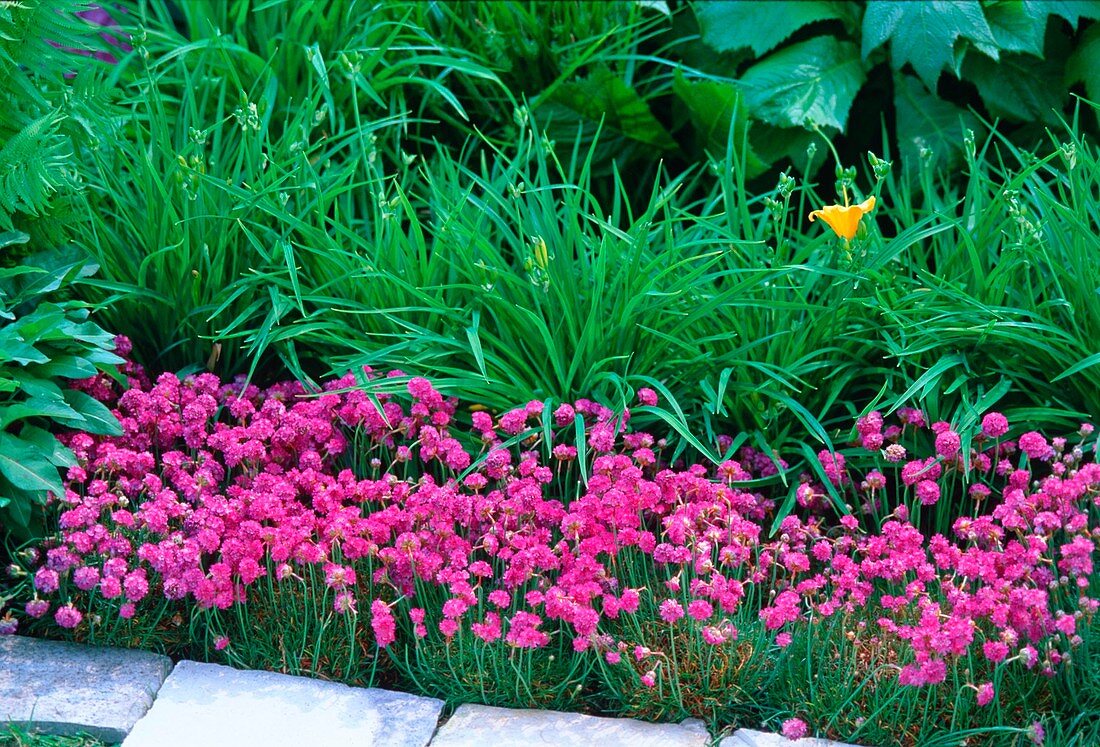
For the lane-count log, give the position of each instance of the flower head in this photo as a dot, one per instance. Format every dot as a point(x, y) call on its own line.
point(794, 728)
point(844, 219)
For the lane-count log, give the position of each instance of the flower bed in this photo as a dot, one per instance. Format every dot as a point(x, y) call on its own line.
point(549, 557)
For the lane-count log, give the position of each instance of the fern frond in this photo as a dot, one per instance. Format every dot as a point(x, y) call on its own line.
point(34, 165)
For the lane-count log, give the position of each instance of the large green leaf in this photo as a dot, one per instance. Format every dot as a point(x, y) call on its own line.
point(1019, 86)
point(714, 108)
point(1018, 26)
point(774, 144)
point(1072, 10)
point(1084, 65)
point(97, 418)
point(26, 466)
point(65, 367)
point(924, 33)
point(57, 454)
point(40, 407)
point(927, 121)
point(14, 348)
point(604, 95)
point(812, 82)
point(728, 25)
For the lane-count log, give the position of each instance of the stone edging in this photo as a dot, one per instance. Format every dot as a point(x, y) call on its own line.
point(138, 698)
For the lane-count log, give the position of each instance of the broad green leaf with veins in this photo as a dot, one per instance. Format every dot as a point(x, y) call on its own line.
point(727, 25)
point(1019, 86)
point(1018, 26)
point(714, 108)
point(927, 121)
point(1072, 10)
point(924, 33)
point(1084, 65)
point(812, 82)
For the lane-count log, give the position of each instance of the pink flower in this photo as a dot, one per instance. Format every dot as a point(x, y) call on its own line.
point(46, 580)
point(994, 425)
point(382, 623)
point(783, 640)
point(986, 693)
point(649, 679)
point(928, 492)
point(671, 611)
point(86, 577)
point(344, 603)
point(794, 728)
point(995, 651)
point(36, 608)
point(1035, 445)
point(68, 616)
point(948, 444)
point(220, 643)
point(647, 397)
point(894, 453)
point(700, 609)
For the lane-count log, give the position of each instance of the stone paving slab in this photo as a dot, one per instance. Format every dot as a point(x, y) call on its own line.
point(218, 706)
point(481, 726)
point(64, 688)
point(750, 738)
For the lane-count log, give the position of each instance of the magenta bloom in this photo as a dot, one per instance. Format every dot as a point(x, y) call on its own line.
point(8, 625)
point(647, 397)
point(986, 693)
point(700, 609)
point(220, 643)
point(382, 623)
point(46, 580)
point(948, 444)
point(1034, 445)
point(928, 492)
point(994, 425)
point(794, 728)
point(68, 616)
point(671, 611)
point(36, 608)
point(86, 577)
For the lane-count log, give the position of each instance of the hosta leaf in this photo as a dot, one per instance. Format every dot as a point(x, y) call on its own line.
point(26, 466)
point(97, 418)
point(39, 407)
point(14, 348)
point(1019, 86)
point(727, 25)
point(924, 33)
point(1084, 65)
point(714, 108)
point(66, 367)
point(605, 95)
point(927, 121)
point(57, 454)
point(814, 81)
point(1018, 26)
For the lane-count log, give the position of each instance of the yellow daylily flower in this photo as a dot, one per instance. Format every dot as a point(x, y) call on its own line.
point(844, 219)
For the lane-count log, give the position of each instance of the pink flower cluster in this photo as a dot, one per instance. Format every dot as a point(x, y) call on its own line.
point(213, 487)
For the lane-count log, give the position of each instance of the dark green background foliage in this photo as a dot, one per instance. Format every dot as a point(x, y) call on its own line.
point(923, 68)
point(529, 199)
